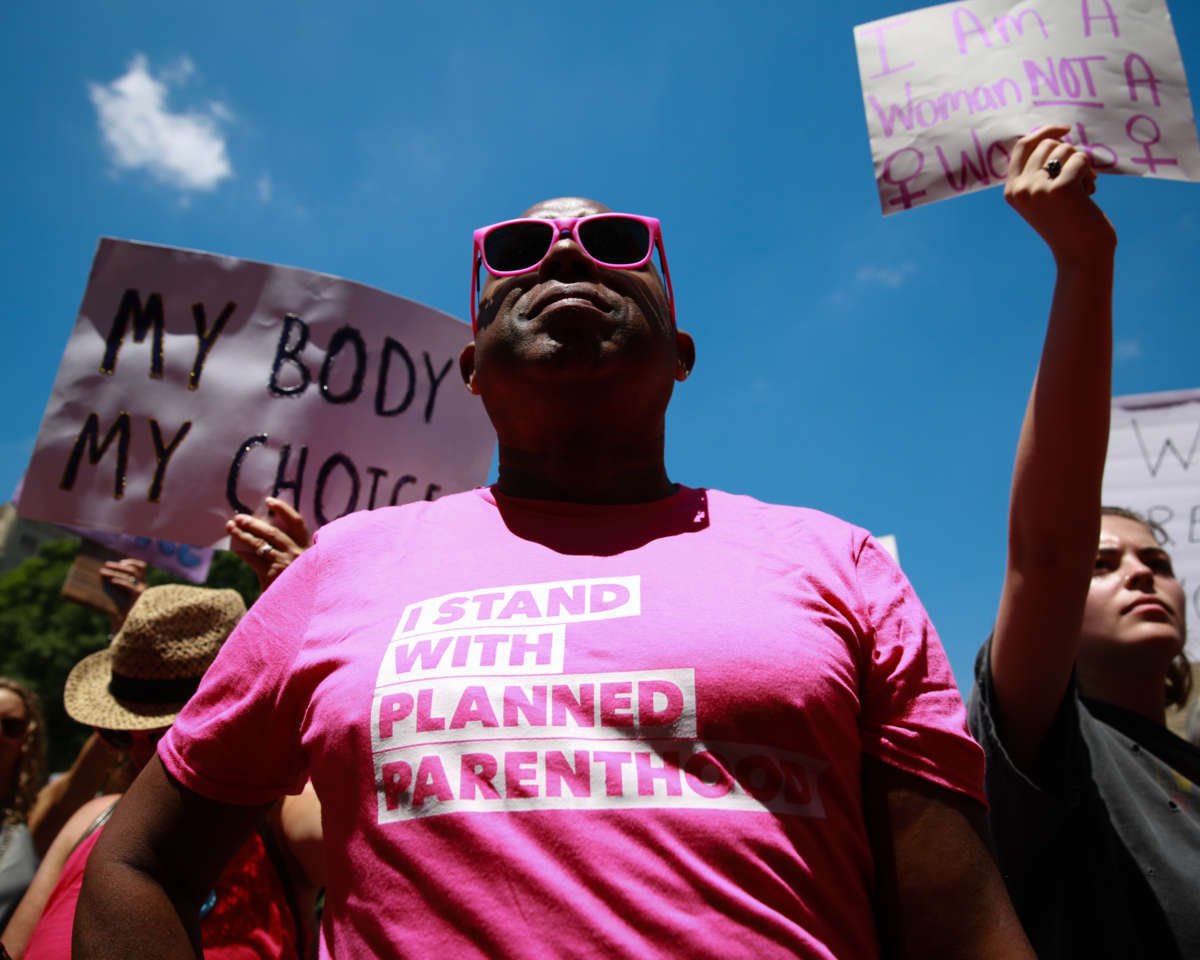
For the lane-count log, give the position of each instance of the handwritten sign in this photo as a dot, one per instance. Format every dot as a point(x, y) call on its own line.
point(195, 385)
point(948, 89)
point(1154, 468)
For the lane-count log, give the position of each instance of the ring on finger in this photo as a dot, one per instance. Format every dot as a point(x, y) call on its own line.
point(264, 548)
point(1053, 167)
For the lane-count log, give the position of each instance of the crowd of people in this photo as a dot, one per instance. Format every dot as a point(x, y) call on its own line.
point(591, 712)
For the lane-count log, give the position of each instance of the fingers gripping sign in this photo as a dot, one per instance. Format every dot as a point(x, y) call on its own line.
point(269, 546)
point(127, 574)
point(1050, 183)
point(127, 578)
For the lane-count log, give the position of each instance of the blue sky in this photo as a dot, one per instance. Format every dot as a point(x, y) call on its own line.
point(876, 369)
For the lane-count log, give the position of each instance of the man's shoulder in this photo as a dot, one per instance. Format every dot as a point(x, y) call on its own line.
point(802, 521)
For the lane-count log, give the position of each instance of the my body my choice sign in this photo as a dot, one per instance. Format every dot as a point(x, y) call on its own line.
point(195, 385)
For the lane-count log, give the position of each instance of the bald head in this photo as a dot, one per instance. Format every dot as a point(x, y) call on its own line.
point(565, 207)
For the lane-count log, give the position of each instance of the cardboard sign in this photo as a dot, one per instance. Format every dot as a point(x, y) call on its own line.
point(948, 89)
point(85, 585)
point(195, 385)
point(1153, 467)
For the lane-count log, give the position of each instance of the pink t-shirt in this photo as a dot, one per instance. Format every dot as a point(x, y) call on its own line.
point(541, 729)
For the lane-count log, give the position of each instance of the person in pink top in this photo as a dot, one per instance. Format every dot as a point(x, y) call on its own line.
point(587, 711)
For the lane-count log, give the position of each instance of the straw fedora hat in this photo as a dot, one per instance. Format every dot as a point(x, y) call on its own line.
point(154, 663)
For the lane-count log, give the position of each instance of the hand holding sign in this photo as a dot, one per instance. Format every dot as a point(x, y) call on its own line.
point(1050, 184)
point(268, 546)
point(948, 89)
point(127, 577)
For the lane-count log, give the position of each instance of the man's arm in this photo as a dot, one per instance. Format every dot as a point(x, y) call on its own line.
point(937, 890)
point(152, 868)
point(1054, 513)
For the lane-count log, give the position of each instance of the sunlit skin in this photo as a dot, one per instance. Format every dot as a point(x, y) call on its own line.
point(1133, 620)
point(575, 365)
point(11, 705)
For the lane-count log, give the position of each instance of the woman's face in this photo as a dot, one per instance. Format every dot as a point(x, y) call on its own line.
point(1134, 601)
point(13, 723)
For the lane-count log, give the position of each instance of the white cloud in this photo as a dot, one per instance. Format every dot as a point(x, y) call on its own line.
point(885, 276)
point(220, 111)
point(265, 187)
point(178, 73)
point(182, 150)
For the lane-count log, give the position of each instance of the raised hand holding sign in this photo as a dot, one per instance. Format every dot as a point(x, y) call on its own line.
point(948, 89)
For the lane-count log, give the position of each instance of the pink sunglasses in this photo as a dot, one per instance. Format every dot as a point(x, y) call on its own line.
point(615, 241)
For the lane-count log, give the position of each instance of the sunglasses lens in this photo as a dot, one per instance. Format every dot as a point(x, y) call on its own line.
point(14, 726)
point(619, 241)
point(517, 246)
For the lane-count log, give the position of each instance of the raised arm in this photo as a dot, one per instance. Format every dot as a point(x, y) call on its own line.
point(153, 866)
point(1054, 513)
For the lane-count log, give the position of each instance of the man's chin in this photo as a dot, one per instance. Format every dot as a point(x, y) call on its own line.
point(572, 318)
point(579, 356)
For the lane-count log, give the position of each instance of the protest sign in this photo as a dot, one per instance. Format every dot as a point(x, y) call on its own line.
point(888, 542)
point(188, 562)
point(182, 560)
point(195, 385)
point(948, 89)
point(1153, 467)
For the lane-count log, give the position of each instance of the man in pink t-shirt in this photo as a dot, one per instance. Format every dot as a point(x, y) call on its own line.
point(586, 712)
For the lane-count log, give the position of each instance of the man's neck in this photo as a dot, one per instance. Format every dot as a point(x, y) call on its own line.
point(583, 475)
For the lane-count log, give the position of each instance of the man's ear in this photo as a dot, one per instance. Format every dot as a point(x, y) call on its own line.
point(685, 351)
point(466, 367)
